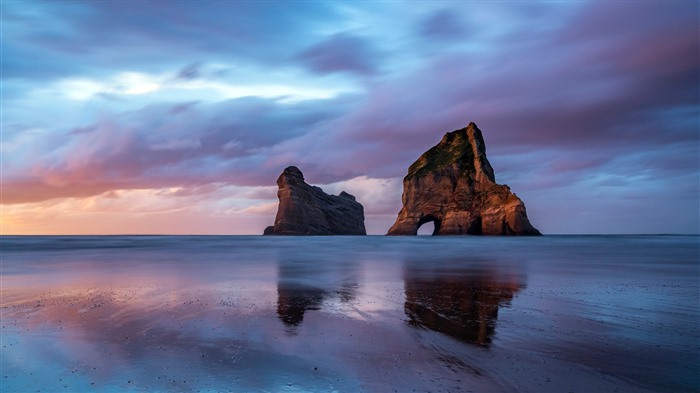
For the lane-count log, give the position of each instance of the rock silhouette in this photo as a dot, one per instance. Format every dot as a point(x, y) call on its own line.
point(307, 210)
point(453, 185)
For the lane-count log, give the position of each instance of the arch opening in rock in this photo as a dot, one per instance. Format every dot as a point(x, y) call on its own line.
point(429, 219)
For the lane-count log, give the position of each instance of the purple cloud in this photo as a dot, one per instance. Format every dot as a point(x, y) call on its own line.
point(443, 24)
point(164, 146)
point(342, 53)
point(594, 105)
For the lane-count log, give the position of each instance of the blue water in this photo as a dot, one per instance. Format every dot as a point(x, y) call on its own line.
point(349, 314)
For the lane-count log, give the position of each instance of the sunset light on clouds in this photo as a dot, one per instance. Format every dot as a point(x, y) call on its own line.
point(126, 117)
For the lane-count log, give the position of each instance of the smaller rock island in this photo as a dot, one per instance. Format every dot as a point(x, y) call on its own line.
point(307, 210)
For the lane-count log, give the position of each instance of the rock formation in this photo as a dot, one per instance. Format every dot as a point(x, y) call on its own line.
point(307, 210)
point(453, 185)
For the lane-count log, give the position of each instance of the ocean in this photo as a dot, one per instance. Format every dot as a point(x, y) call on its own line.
point(350, 314)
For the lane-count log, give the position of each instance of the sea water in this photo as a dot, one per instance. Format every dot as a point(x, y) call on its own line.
point(350, 314)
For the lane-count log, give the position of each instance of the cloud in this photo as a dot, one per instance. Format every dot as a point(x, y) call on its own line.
point(191, 71)
point(264, 209)
point(158, 146)
point(85, 37)
point(444, 24)
point(177, 144)
point(545, 95)
point(583, 102)
point(379, 196)
point(342, 53)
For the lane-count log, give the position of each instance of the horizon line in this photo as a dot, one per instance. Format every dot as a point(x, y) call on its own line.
point(359, 236)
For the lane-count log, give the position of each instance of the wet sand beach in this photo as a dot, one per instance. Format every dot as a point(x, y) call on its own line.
point(350, 314)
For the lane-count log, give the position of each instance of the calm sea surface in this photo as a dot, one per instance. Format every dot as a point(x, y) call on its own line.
point(350, 314)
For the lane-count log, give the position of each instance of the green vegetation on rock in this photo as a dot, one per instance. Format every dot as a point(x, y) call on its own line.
point(453, 148)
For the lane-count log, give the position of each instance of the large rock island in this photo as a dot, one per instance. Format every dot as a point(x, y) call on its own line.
point(307, 210)
point(453, 185)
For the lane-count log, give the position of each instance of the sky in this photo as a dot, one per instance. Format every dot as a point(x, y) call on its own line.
point(176, 117)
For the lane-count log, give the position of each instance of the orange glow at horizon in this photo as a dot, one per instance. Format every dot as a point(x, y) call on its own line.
point(150, 211)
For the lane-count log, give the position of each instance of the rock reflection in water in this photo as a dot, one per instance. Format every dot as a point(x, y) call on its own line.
point(301, 288)
point(461, 304)
point(293, 300)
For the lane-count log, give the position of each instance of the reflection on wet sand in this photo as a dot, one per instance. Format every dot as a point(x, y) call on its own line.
point(127, 339)
point(463, 305)
point(232, 314)
point(301, 288)
point(294, 300)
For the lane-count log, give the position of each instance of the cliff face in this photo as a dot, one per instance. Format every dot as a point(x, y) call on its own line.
point(307, 210)
point(453, 185)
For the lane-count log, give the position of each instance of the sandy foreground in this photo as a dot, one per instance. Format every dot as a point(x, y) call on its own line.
point(357, 324)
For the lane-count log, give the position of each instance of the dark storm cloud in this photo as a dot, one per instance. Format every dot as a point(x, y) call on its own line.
point(342, 53)
point(443, 24)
